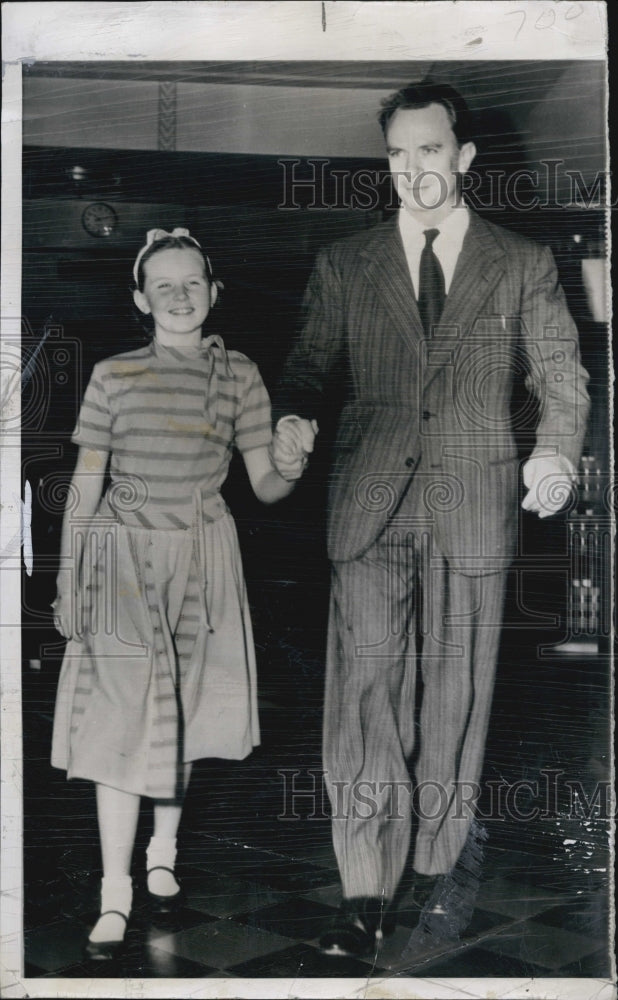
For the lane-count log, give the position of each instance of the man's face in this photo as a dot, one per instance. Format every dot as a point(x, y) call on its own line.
point(424, 159)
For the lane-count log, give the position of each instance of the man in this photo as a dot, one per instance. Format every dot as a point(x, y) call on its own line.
point(423, 323)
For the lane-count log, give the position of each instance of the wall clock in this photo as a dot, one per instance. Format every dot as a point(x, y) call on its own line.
point(99, 219)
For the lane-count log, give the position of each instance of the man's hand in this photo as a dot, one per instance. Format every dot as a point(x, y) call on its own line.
point(549, 485)
point(292, 442)
point(65, 613)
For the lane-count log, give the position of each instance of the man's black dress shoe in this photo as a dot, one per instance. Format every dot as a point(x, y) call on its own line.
point(105, 951)
point(358, 927)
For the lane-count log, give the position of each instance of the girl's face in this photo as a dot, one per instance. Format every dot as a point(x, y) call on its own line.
point(177, 294)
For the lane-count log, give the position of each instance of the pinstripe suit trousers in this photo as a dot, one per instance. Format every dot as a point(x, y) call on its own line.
point(396, 605)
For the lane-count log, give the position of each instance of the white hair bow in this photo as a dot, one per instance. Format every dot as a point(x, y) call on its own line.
point(153, 235)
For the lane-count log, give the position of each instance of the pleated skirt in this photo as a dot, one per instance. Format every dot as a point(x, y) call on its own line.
point(164, 672)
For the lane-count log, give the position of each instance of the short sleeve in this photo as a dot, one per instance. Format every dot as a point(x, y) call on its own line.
point(94, 425)
point(253, 426)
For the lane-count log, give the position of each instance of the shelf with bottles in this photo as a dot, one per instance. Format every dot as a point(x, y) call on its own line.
point(590, 539)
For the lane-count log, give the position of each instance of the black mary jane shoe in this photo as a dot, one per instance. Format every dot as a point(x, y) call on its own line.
point(105, 951)
point(357, 929)
point(164, 905)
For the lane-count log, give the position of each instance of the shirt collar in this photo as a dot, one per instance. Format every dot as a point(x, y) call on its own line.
point(453, 227)
point(209, 349)
point(182, 353)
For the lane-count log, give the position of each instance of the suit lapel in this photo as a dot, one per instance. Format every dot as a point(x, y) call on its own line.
point(480, 266)
point(387, 270)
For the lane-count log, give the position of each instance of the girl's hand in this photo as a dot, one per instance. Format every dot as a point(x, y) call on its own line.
point(288, 461)
point(292, 442)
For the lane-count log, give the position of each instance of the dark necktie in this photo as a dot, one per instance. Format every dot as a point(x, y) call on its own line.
point(431, 294)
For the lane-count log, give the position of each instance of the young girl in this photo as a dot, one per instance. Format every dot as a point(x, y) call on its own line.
point(160, 667)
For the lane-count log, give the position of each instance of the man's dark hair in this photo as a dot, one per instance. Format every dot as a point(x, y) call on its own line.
point(421, 95)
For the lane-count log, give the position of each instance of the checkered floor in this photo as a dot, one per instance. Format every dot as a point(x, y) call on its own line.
point(243, 918)
point(261, 883)
point(260, 888)
point(257, 913)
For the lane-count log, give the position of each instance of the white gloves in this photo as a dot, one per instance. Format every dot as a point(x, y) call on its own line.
point(549, 480)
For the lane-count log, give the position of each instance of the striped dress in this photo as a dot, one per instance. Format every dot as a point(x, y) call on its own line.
point(164, 671)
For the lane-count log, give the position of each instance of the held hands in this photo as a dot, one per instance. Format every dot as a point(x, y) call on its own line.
point(549, 482)
point(291, 444)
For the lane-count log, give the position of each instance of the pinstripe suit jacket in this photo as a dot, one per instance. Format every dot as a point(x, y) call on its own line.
point(433, 414)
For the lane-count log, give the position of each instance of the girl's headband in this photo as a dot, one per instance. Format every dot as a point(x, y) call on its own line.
point(154, 235)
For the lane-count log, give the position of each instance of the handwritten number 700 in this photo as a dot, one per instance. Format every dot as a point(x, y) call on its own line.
point(547, 17)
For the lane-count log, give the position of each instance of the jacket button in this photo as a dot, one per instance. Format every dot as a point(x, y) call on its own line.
point(426, 414)
point(410, 463)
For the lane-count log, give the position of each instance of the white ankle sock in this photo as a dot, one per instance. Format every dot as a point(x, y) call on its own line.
point(161, 853)
point(116, 894)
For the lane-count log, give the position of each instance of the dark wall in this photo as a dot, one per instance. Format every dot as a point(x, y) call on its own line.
point(78, 287)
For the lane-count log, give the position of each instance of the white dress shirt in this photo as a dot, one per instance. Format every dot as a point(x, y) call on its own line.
point(447, 245)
